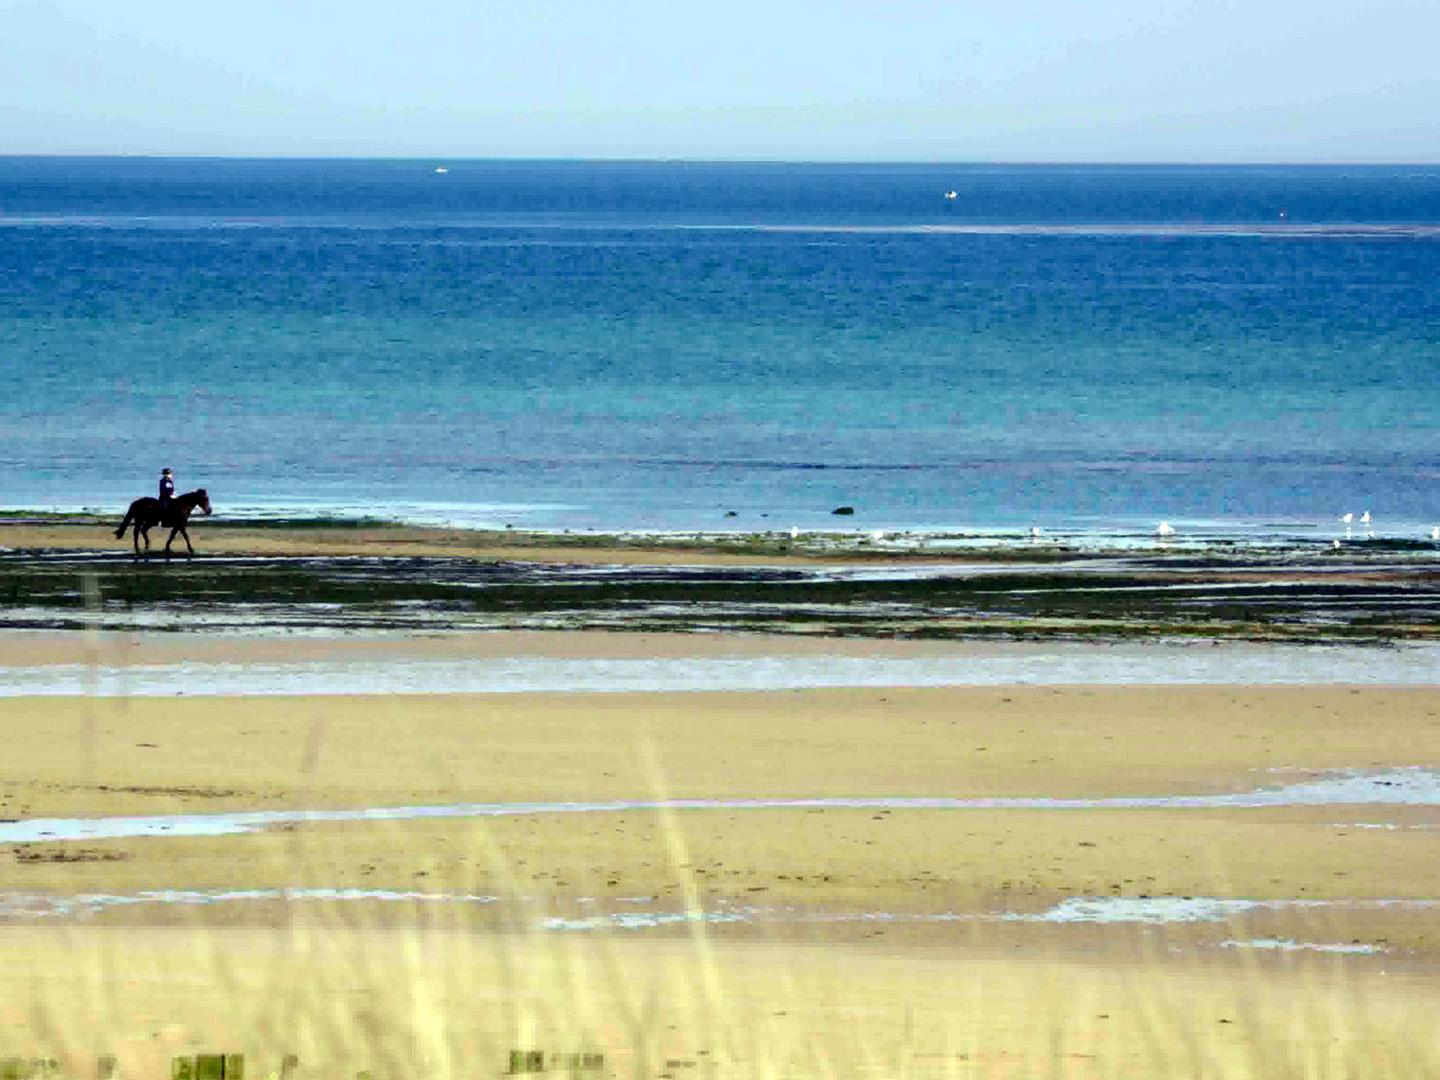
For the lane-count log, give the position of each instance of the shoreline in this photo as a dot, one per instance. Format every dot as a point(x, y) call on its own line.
point(843, 538)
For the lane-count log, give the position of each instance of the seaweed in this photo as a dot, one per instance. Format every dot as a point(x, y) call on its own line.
point(1115, 601)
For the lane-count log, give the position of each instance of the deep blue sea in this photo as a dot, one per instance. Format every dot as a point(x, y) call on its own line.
point(592, 345)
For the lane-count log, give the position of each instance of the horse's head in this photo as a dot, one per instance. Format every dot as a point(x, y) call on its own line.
point(202, 500)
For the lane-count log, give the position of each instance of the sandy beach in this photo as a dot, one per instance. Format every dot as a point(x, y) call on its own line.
point(87, 758)
point(1064, 878)
point(838, 929)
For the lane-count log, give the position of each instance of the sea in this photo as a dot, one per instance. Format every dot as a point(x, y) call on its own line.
point(674, 346)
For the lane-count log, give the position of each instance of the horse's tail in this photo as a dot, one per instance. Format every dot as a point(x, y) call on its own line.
point(120, 532)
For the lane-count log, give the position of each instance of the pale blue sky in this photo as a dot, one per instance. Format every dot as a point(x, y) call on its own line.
point(1108, 80)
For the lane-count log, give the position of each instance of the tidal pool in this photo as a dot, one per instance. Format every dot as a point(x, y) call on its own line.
point(1395, 787)
point(979, 664)
point(1113, 910)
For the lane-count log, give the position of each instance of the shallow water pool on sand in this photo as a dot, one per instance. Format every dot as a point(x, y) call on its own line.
point(1109, 910)
point(1049, 664)
point(1397, 787)
point(31, 905)
point(1289, 945)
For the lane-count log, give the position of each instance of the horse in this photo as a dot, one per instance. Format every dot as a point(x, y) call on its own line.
point(147, 512)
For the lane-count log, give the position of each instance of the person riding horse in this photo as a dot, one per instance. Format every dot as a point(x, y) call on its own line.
point(170, 511)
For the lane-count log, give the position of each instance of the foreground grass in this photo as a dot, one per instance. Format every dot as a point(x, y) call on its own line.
point(412, 988)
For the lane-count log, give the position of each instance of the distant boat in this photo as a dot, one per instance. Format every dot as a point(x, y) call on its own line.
point(1164, 529)
point(441, 169)
point(952, 194)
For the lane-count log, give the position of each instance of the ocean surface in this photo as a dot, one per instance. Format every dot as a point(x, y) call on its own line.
point(1241, 351)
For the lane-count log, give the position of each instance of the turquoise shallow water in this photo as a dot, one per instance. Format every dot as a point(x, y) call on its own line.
point(607, 346)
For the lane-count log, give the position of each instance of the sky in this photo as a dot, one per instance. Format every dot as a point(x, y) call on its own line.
point(899, 80)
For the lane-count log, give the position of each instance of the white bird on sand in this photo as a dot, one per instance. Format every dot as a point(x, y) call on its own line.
point(1165, 529)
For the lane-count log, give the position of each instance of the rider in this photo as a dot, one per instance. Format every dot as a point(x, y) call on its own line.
point(167, 489)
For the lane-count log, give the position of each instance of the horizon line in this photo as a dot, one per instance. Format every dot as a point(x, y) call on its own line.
point(1239, 163)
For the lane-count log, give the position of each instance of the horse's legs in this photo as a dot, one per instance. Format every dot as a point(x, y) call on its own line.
point(180, 530)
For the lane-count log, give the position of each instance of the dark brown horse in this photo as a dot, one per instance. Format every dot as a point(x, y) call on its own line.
point(146, 513)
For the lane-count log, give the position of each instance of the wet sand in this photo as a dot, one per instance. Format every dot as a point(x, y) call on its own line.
point(402, 541)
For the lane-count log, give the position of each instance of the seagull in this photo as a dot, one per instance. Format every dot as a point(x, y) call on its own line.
point(1165, 529)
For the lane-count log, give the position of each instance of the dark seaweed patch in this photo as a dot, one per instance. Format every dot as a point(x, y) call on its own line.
point(1116, 599)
